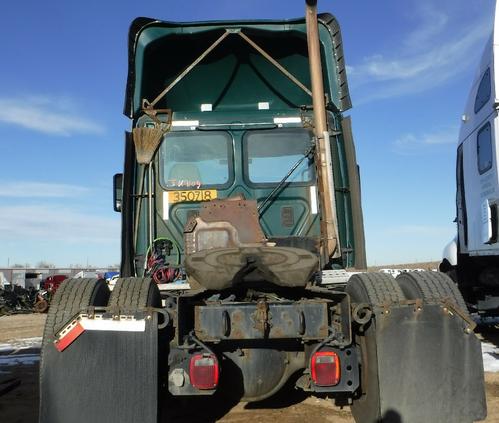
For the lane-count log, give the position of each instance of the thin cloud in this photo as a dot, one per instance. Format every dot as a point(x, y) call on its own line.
point(432, 21)
point(36, 223)
point(411, 143)
point(444, 58)
point(52, 116)
point(29, 189)
point(432, 54)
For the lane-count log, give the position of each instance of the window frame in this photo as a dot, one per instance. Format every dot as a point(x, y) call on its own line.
point(485, 77)
point(480, 131)
point(230, 161)
point(246, 175)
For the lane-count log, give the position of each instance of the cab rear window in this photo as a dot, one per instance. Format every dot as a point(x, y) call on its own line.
point(191, 160)
point(271, 154)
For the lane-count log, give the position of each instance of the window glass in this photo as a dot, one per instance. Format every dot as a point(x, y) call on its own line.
point(191, 160)
point(483, 93)
point(271, 154)
point(484, 149)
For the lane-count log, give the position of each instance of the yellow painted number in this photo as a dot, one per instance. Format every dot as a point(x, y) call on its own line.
point(191, 196)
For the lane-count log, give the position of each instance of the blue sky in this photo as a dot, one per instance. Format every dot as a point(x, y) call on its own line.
point(63, 72)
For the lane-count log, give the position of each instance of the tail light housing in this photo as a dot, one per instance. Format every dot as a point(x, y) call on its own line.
point(203, 371)
point(325, 368)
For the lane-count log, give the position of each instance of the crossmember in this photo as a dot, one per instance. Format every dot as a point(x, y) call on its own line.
point(307, 320)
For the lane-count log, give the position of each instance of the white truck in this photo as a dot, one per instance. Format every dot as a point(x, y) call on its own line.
point(472, 257)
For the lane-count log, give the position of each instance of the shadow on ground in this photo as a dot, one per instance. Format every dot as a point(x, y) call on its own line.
point(19, 386)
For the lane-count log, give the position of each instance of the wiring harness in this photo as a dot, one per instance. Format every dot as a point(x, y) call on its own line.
point(158, 265)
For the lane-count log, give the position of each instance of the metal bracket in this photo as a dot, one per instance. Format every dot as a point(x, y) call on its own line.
point(418, 303)
point(262, 317)
point(453, 308)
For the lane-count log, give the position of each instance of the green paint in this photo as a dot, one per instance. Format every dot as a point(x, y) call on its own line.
point(234, 79)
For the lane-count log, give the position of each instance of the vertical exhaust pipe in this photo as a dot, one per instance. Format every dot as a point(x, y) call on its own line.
point(314, 57)
point(329, 226)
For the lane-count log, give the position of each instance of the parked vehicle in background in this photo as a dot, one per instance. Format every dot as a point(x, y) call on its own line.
point(48, 287)
point(472, 257)
point(52, 283)
point(111, 282)
point(109, 275)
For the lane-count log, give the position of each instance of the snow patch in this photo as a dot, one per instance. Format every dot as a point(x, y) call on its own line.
point(490, 357)
point(21, 344)
point(14, 353)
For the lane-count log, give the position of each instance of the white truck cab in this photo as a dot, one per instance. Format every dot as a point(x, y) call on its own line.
point(472, 258)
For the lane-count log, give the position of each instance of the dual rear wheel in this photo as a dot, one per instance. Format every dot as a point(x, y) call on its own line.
point(74, 295)
point(93, 374)
point(378, 289)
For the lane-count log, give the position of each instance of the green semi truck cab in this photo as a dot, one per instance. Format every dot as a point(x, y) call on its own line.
point(243, 257)
point(235, 125)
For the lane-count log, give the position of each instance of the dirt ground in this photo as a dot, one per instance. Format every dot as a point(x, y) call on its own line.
point(21, 326)
point(20, 404)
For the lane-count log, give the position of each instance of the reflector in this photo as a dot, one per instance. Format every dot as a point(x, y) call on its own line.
point(203, 371)
point(325, 368)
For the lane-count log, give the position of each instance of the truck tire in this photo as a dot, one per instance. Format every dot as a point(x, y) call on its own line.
point(135, 293)
point(430, 287)
point(375, 289)
point(71, 296)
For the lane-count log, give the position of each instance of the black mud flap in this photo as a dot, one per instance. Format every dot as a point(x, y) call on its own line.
point(430, 366)
point(102, 377)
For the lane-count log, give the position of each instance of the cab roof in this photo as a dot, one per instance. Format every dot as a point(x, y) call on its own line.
point(234, 76)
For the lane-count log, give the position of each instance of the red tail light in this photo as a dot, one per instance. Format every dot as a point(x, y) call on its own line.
point(203, 371)
point(325, 367)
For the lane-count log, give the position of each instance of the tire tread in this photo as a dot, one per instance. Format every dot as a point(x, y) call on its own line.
point(379, 288)
point(71, 296)
point(433, 287)
point(132, 292)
